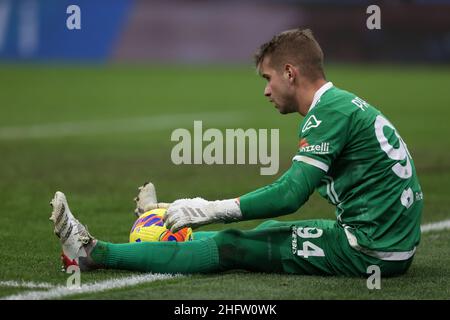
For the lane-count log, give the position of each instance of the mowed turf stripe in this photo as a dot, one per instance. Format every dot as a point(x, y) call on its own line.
point(154, 123)
point(436, 226)
point(62, 291)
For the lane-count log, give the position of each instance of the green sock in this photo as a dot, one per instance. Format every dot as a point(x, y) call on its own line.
point(197, 256)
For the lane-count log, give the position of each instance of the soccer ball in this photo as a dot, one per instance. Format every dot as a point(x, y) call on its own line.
point(150, 227)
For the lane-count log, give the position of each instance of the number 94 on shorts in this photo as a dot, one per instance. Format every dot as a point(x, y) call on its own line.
point(320, 247)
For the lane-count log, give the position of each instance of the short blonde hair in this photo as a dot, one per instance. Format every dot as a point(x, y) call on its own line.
point(297, 47)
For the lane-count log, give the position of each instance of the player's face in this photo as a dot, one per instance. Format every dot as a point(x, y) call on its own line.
point(278, 88)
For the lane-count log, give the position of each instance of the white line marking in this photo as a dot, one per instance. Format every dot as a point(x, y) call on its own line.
point(62, 291)
point(155, 123)
point(440, 225)
point(25, 284)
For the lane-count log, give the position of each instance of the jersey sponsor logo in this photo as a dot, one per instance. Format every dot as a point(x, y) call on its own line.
point(312, 122)
point(322, 148)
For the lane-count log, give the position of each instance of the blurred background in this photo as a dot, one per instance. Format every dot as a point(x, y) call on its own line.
point(90, 111)
point(217, 31)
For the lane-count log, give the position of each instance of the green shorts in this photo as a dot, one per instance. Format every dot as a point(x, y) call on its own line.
point(320, 247)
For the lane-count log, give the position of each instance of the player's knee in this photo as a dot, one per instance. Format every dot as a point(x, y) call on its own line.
point(228, 245)
point(227, 238)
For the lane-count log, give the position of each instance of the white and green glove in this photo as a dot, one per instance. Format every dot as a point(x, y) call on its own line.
point(197, 212)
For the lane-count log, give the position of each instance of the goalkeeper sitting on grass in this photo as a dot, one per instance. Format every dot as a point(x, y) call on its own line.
point(348, 151)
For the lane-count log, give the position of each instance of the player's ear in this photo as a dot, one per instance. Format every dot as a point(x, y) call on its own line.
point(289, 72)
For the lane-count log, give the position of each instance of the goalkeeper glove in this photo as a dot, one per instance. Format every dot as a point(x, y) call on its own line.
point(197, 212)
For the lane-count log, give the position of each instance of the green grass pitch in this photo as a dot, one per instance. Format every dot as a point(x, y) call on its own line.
point(102, 152)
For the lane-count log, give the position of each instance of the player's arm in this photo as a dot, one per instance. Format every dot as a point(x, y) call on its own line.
point(285, 195)
point(282, 197)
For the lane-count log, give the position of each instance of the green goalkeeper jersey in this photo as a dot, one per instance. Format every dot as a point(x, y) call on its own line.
point(369, 173)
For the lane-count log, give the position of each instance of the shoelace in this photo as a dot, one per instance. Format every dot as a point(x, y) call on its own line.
point(83, 234)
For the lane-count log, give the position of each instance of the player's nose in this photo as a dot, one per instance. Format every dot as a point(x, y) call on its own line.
point(267, 91)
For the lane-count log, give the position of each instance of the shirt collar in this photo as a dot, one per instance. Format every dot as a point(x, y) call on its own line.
point(319, 93)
